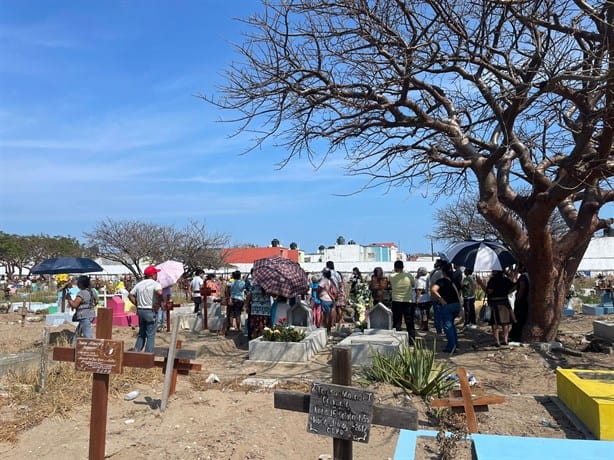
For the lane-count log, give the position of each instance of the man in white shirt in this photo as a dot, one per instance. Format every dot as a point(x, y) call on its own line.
point(147, 296)
point(195, 286)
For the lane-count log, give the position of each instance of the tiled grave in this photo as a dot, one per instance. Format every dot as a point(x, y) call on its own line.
point(488, 447)
point(604, 329)
point(596, 309)
point(588, 394)
point(216, 315)
point(364, 344)
point(289, 352)
point(380, 317)
point(120, 316)
point(606, 298)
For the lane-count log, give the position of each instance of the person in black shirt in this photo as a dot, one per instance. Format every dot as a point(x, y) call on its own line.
point(497, 289)
point(446, 294)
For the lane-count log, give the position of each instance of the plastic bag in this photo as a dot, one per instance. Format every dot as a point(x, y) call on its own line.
point(485, 313)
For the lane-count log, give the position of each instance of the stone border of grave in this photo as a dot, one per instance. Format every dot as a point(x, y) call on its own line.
point(365, 344)
point(289, 352)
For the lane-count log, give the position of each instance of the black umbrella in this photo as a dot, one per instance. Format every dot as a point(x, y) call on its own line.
point(58, 265)
point(480, 256)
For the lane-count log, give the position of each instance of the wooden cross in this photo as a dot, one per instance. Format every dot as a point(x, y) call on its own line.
point(168, 306)
point(395, 417)
point(24, 313)
point(205, 292)
point(103, 357)
point(464, 401)
point(181, 363)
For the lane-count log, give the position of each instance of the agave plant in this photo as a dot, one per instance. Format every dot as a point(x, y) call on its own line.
point(413, 369)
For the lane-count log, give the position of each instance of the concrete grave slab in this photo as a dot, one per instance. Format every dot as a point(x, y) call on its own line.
point(588, 394)
point(604, 329)
point(18, 362)
point(258, 382)
point(488, 447)
point(364, 344)
point(597, 309)
point(289, 352)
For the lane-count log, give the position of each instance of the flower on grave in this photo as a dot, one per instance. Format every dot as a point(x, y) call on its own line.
point(360, 299)
point(282, 332)
point(61, 279)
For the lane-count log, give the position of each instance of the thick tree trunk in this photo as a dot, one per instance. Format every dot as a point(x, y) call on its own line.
point(546, 299)
point(549, 284)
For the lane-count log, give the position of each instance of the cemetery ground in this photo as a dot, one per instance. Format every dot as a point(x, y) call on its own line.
point(234, 419)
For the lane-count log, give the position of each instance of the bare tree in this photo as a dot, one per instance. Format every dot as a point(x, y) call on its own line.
point(459, 221)
point(197, 248)
point(132, 243)
point(442, 94)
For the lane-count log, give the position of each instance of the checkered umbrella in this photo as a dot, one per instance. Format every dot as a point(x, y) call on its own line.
point(480, 256)
point(280, 276)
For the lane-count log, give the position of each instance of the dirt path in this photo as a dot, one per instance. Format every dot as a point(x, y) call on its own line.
point(226, 420)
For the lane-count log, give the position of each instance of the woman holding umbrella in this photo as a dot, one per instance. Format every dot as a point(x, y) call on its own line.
point(85, 305)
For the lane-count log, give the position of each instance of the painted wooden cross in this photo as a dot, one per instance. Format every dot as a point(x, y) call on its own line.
point(341, 411)
point(101, 356)
point(168, 306)
point(464, 401)
point(205, 293)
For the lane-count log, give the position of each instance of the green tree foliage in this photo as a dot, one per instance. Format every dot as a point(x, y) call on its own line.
point(20, 252)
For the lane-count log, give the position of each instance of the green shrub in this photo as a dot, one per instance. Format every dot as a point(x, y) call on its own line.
point(413, 369)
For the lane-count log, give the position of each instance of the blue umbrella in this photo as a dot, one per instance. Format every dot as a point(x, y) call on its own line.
point(58, 265)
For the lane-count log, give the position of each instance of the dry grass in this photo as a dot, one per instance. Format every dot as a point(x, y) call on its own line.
point(65, 388)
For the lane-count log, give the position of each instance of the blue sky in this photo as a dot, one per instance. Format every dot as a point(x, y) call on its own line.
point(98, 119)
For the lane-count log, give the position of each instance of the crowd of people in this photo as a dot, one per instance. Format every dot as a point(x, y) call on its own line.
point(419, 301)
point(447, 292)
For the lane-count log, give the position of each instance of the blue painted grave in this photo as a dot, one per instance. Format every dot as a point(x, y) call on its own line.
point(489, 446)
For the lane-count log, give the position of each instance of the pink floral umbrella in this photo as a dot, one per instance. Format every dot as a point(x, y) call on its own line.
point(170, 272)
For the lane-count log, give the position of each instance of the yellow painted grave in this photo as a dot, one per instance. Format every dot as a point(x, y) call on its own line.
point(590, 395)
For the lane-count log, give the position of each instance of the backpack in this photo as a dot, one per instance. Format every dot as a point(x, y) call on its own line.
point(93, 298)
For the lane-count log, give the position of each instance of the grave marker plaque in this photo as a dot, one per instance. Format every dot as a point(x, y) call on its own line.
point(102, 356)
point(340, 411)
